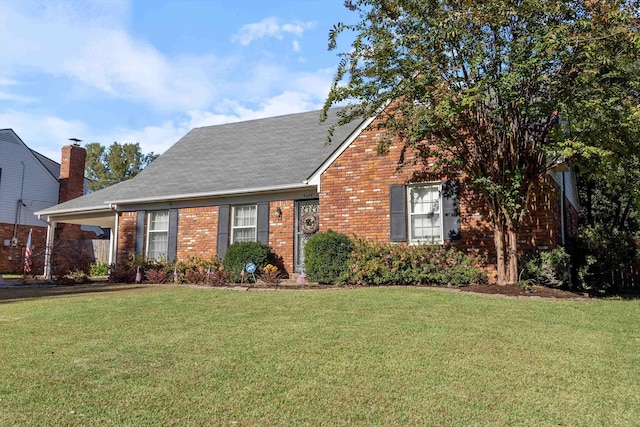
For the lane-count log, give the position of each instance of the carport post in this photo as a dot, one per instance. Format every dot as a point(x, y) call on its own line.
point(51, 228)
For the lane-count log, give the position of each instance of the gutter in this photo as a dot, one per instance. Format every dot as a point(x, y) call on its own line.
point(72, 211)
point(192, 196)
point(113, 205)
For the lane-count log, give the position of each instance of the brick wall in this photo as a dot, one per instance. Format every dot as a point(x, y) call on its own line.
point(197, 232)
point(354, 199)
point(126, 235)
point(11, 258)
point(282, 233)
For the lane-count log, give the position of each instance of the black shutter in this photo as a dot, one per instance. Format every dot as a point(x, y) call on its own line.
point(223, 230)
point(398, 213)
point(451, 209)
point(172, 240)
point(263, 222)
point(140, 232)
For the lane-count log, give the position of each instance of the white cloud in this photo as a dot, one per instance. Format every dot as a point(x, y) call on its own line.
point(4, 96)
point(295, 45)
point(269, 27)
point(89, 43)
point(50, 134)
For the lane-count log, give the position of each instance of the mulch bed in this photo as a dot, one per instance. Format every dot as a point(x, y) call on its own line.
point(519, 291)
point(42, 290)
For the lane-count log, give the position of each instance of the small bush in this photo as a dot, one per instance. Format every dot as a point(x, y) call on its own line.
point(400, 264)
point(241, 253)
point(196, 276)
point(156, 275)
point(122, 273)
point(218, 277)
point(326, 257)
point(99, 269)
point(194, 270)
point(270, 275)
point(549, 269)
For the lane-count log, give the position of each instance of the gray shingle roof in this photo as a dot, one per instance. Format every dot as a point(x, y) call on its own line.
point(273, 152)
point(52, 166)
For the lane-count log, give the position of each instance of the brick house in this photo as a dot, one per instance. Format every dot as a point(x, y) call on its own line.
point(275, 180)
point(30, 182)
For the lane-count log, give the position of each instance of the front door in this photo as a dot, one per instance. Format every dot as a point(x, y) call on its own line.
point(307, 221)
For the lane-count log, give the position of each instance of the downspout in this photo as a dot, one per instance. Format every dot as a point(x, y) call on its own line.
point(19, 205)
point(562, 211)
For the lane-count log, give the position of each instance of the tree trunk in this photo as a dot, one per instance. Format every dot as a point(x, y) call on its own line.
point(506, 240)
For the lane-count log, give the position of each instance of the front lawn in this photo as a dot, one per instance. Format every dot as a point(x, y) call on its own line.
point(169, 355)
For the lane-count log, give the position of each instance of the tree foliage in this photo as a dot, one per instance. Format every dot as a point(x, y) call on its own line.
point(498, 90)
point(106, 166)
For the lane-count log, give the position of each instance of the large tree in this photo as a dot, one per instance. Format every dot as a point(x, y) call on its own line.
point(106, 166)
point(499, 90)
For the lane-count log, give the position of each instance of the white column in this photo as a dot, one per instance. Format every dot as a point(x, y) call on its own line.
point(51, 230)
point(113, 242)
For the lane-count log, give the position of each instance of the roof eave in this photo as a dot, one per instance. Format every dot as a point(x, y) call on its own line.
point(211, 194)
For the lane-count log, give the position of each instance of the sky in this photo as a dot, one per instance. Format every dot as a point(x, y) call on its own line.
point(148, 71)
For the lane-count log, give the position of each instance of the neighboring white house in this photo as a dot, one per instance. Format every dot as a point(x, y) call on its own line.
point(29, 182)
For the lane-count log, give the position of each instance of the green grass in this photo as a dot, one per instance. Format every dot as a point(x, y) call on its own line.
point(170, 355)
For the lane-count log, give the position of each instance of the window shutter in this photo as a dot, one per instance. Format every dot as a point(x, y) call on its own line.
point(451, 210)
point(140, 232)
point(263, 222)
point(223, 230)
point(398, 213)
point(172, 238)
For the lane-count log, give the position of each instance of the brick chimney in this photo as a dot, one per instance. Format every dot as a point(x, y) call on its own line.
point(71, 184)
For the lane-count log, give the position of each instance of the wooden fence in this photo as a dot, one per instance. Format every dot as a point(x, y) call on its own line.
point(100, 250)
point(627, 278)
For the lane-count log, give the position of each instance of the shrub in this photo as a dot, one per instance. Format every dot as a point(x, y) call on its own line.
point(71, 257)
point(196, 270)
point(549, 269)
point(196, 276)
point(374, 263)
point(218, 277)
point(241, 253)
point(270, 275)
point(599, 252)
point(326, 257)
point(99, 269)
point(156, 275)
point(123, 272)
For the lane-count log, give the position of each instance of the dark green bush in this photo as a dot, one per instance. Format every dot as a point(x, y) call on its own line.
point(549, 269)
point(374, 263)
point(326, 257)
point(598, 254)
point(240, 253)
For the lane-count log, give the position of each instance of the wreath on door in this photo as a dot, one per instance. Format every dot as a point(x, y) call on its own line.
point(309, 223)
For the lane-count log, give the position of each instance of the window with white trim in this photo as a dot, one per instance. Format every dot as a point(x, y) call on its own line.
point(424, 207)
point(244, 223)
point(157, 234)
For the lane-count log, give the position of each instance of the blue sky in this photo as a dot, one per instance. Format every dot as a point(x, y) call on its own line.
point(148, 71)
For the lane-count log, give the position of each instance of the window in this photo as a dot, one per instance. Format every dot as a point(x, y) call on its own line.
point(424, 206)
point(157, 235)
point(244, 225)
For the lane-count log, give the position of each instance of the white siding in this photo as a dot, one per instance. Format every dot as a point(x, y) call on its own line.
point(40, 189)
